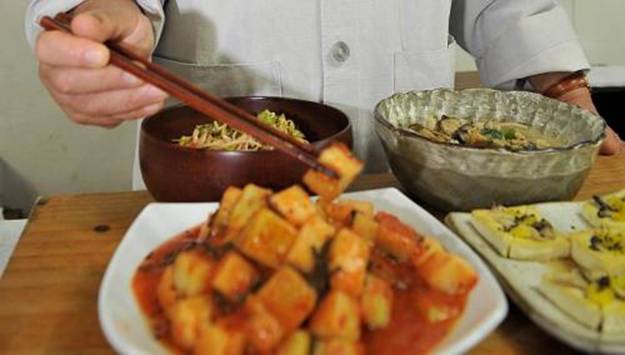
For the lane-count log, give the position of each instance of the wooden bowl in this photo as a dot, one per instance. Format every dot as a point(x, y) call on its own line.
point(175, 174)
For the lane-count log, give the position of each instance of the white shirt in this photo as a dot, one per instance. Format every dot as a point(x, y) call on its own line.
point(350, 53)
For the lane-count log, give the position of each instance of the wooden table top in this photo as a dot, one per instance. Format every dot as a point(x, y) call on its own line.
point(48, 295)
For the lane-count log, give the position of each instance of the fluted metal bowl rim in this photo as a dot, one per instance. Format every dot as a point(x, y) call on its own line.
point(403, 132)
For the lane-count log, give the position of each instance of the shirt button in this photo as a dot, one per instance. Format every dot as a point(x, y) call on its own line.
point(340, 51)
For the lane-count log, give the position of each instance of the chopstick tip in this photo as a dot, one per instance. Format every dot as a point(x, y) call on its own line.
point(327, 171)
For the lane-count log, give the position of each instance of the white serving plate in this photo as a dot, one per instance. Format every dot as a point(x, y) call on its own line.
point(520, 279)
point(128, 332)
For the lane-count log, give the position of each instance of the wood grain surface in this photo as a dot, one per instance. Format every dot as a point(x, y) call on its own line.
point(48, 295)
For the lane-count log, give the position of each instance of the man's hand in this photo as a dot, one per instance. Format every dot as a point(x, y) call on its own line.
point(75, 68)
point(580, 97)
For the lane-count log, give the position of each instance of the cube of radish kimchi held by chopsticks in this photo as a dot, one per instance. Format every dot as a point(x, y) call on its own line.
point(338, 158)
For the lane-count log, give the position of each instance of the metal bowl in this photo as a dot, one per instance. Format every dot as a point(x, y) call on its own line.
point(454, 177)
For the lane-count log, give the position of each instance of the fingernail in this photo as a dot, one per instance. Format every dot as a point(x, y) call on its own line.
point(95, 57)
point(155, 93)
point(130, 79)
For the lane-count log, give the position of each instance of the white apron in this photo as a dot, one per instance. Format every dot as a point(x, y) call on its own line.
point(350, 53)
point(344, 53)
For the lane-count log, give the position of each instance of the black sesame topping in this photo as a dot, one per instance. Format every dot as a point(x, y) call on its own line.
point(603, 282)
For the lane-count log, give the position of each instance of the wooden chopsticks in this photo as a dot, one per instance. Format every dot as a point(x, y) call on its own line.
point(211, 106)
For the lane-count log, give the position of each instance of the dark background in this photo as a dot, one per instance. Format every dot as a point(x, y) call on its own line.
point(610, 103)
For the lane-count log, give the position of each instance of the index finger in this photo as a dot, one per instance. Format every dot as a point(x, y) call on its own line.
point(57, 48)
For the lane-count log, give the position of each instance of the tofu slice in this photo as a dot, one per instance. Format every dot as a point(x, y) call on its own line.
point(490, 230)
point(618, 285)
point(614, 317)
point(594, 304)
point(310, 239)
point(288, 297)
point(347, 261)
point(572, 301)
point(337, 317)
point(234, 276)
point(338, 158)
point(599, 252)
point(527, 249)
point(267, 238)
point(294, 204)
point(524, 240)
point(606, 211)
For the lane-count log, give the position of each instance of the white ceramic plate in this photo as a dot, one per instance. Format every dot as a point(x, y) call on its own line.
point(127, 330)
point(520, 279)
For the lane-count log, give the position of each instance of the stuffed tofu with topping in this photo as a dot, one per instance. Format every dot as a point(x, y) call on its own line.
point(594, 303)
point(599, 252)
point(606, 211)
point(338, 158)
point(520, 233)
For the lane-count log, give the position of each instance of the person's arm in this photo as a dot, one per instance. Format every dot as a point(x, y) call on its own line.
point(580, 97)
point(37, 9)
point(75, 69)
point(526, 44)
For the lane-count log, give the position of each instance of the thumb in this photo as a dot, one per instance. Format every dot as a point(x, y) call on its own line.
point(104, 20)
point(99, 26)
point(612, 144)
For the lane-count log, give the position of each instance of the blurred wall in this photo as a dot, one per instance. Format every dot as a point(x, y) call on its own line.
point(43, 153)
point(600, 26)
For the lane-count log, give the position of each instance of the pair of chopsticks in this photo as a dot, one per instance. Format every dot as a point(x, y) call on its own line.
point(211, 106)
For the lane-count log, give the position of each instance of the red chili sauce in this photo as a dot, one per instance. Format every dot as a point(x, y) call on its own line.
point(409, 332)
